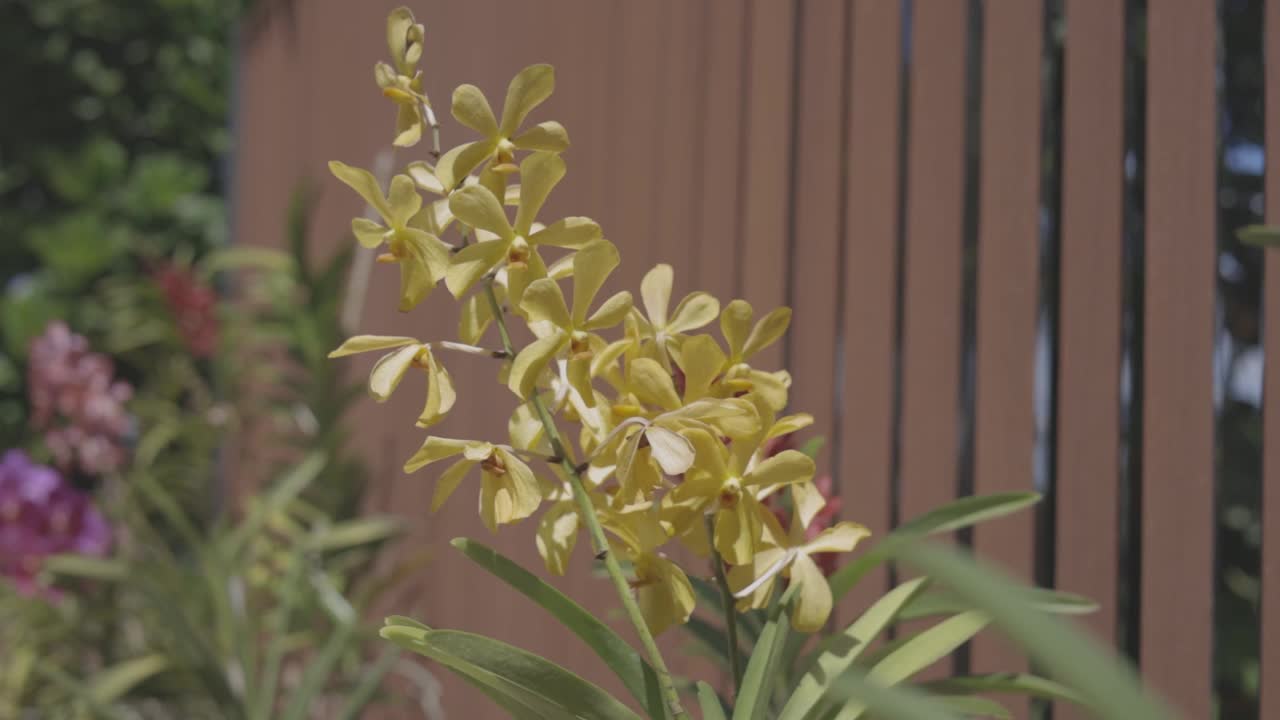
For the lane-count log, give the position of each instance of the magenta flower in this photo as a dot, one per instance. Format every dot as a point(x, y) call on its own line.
point(41, 515)
point(77, 402)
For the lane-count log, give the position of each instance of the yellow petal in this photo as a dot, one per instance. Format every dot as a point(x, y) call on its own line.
point(509, 497)
point(790, 424)
point(471, 108)
point(674, 452)
point(808, 501)
point(544, 302)
point(579, 372)
point(540, 172)
point(592, 265)
point(557, 536)
point(363, 182)
point(476, 206)
point(736, 529)
point(525, 428)
point(476, 317)
point(732, 417)
point(841, 537)
point(471, 263)
point(529, 365)
point(527, 91)
point(455, 164)
point(735, 323)
point(610, 313)
point(399, 21)
point(449, 481)
point(424, 263)
point(440, 394)
point(652, 384)
point(788, 466)
point(812, 604)
point(709, 454)
point(520, 276)
point(767, 331)
point(389, 370)
point(771, 388)
point(425, 177)
point(433, 449)
point(404, 200)
point(695, 311)
point(571, 232)
point(408, 125)
point(701, 359)
point(366, 343)
point(655, 292)
point(627, 453)
point(665, 595)
point(549, 135)
point(606, 359)
point(368, 233)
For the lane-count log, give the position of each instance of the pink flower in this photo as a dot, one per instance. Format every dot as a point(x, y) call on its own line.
point(41, 515)
point(193, 305)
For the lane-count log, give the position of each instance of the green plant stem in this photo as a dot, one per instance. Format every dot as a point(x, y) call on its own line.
point(599, 543)
point(730, 612)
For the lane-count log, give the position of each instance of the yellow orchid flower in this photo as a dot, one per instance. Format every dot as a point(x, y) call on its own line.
point(423, 257)
point(478, 207)
point(500, 140)
point(403, 82)
point(509, 491)
point(663, 591)
point(557, 533)
point(790, 557)
point(406, 353)
point(722, 481)
point(745, 341)
point(695, 311)
point(561, 329)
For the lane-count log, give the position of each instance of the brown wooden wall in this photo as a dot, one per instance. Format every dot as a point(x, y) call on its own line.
point(791, 152)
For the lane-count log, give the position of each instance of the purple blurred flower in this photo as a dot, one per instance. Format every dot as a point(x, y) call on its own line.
point(41, 515)
point(77, 402)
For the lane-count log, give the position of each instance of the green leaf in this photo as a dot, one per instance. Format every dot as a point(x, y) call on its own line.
point(856, 690)
point(636, 674)
point(114, 682)
point(84, 566)
point(954, 515)
point(975, 707)
point(838, 652)
point(541, 687)
point(1109, 684)
point(277, 499)
point(1261, 235)
point(362, 695)
point(709, 702)
point(1009, 683)
point(762, 668)
point(1046, 600)
point(813, 447)
point(354, 533)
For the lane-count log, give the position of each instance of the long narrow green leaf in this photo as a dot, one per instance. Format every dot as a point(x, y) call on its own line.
point(1013, 683)
point(539, 684)
point(275, 501)
point(111, 684)
point(1043, 599)
point(955, 515)
point(354, 533)
point(1109, 685)
point(974, 707)
point(749, 623)
point(84, 566)
point(762, 668)
point(636, 674)
point(709, 702)
point(898, 703)
point(1260, 235)
point(838, 652)
point(362, 695)
point(305, 696)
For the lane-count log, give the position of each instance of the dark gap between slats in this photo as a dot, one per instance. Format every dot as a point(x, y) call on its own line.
point(969, 280)
point(1129, 586)
point(842, 251)
point(895, 457)
point(793, 168)
point(1047, 316)
point(1238, 363)
point(744, 133)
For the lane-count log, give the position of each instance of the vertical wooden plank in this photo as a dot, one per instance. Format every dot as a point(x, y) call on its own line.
point(1177, 488)
point(721, 149)
point(817, 215)
point(864, 467)
point(767, 164)
point(1088, 457)
point(934, 244)
point(1270, 655)
point(681, 64)
point(1008, 287)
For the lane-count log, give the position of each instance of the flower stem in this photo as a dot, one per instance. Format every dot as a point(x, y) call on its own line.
point(730, 612)
point(599, 543)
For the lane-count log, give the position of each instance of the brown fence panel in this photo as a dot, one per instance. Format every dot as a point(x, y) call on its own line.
point(1270, 657)
point(767, 163)
point(1088, 440)
point(1008, 287)
point(870, 277)
point(934, 244)
point(1177, 457)
point(815, 239)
